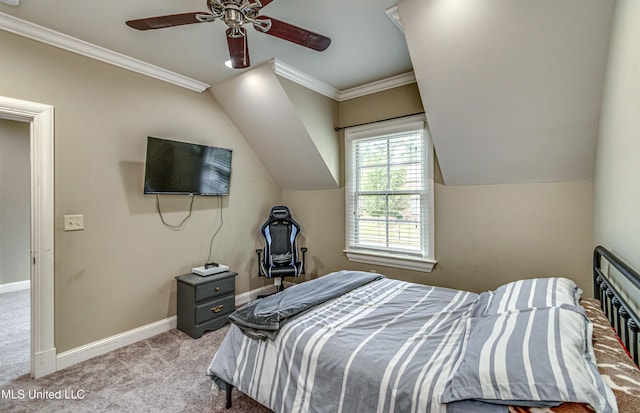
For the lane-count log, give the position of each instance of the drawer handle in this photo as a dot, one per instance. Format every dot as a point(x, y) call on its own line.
point(217, 308)
point(217, 288)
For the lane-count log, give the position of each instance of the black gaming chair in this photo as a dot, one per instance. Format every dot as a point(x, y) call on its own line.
point(280, 253)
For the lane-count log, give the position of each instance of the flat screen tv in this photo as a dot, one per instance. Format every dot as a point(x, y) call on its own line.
point(182, 168)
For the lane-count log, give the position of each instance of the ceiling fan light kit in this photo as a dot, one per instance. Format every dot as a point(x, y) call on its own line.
point(235, 14)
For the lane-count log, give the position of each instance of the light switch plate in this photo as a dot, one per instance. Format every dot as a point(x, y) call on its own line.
point(73, 222)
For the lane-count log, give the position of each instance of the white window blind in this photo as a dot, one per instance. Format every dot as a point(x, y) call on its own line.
point(388, 197)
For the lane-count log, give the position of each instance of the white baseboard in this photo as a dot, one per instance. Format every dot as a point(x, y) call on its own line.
point(44, 362)
point(253, 294)
point(97, 348)
point(100, 347)
point(16, 286)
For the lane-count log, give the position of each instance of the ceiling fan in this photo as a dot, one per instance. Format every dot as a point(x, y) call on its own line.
point(236, 13)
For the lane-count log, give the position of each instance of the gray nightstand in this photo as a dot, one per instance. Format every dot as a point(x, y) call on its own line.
point(204, 303)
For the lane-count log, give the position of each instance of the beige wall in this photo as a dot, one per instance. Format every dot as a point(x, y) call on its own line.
point(616, 194)
point(318, 114)
point(484, 235)
point(487, 235)
point(118, 274)
point(15, 182)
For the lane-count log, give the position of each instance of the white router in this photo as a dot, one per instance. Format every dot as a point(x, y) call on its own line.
point(209, 271)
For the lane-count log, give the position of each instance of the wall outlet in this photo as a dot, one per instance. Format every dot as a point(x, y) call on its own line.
point(73, 222)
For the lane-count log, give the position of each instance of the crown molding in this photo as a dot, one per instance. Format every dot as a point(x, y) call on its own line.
point(393, 14)
point(282, 69)
point(378, 86)
point(51, 37)
point(288, 72)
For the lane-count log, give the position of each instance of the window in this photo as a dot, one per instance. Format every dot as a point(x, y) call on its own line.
point(389, 194)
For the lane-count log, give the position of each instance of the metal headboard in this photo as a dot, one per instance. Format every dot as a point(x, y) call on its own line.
point(621, 315)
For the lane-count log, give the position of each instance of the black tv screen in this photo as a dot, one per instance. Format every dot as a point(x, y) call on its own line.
point(174, 167)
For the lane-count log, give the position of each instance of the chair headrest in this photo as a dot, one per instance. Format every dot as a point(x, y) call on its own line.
point(280, 212)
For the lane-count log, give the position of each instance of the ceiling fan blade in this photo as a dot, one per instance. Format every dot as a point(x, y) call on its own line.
point(292, 33)
point(264, 2)
point(170, 20)
point(238, 48)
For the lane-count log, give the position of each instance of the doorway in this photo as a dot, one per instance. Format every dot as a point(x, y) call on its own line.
point(15, 244)
point(40, 119)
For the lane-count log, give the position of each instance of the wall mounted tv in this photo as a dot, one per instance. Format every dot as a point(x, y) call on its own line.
point(182, 168)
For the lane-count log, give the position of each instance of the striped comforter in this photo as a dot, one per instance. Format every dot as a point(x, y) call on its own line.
point(388, 346)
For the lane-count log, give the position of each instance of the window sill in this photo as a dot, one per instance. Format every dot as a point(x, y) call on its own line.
point(388, 260)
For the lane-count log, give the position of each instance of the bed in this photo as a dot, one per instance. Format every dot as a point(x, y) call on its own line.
point(361, 342)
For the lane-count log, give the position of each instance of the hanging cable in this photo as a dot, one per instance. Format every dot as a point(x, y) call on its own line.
point(174, 227)
point(215, 233)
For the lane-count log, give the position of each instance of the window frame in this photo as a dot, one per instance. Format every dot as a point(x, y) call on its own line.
point(424, 261)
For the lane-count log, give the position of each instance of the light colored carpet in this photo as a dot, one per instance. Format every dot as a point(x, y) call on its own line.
point(15, 338)
point(165, 373)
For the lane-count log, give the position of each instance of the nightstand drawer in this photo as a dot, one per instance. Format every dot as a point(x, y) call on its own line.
point(215, 308)
point(204, 303)
point(215, 289)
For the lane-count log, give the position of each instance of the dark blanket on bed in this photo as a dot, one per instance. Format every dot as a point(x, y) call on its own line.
point(263, 318)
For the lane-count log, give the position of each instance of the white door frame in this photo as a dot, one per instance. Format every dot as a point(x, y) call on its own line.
point(40, 117)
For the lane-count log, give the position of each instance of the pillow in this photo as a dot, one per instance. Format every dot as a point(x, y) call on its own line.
point(536, 292)
point(531, 357)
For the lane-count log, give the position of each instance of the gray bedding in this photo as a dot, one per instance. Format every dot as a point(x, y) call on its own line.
point(387, 346)
point(264, 318)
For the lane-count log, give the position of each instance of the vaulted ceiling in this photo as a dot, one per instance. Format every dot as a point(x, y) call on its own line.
point(512, 88)
point(366, 45)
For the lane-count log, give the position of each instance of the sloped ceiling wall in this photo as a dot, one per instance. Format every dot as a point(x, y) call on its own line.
point(317, 113)
point(262, 111)
point(512, 88)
